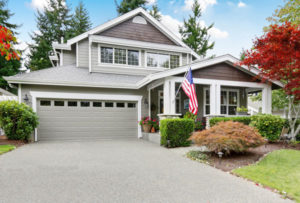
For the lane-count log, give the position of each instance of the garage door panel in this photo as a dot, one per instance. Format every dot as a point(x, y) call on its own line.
point(86, 124)
point(58, 123)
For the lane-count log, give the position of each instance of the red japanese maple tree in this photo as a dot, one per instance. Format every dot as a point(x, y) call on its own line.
point(277, 55)
point(6, 41)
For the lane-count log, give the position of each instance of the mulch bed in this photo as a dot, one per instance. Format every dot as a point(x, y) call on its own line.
point(5, 141)
point(228, 163)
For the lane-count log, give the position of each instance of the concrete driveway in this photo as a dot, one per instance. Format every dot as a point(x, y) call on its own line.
point(117, 171)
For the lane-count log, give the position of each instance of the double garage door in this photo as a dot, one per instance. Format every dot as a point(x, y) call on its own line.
point(86, 119)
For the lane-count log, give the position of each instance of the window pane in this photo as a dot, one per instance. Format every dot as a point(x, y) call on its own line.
point(109, 104)
point(133, 57)
point(207, 97)
point(72, 103)
point(233, 98)
point(223, 97)
point(207, 109)
point(97, 104)
point(45, 103)
point(131, 105)
point(120, 105)
point(174, 61)
point(232, 110)
point(59, 103)
point(84, 104)
point(152, 60)
point(106, 55)
point(223, 109)
point(158, 60)
point(120, 56)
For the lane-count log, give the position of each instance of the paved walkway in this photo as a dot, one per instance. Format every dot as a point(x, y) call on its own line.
point(117, 171)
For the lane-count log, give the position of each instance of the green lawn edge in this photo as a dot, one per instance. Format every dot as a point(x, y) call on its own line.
point(6, 148)
point(279, 170)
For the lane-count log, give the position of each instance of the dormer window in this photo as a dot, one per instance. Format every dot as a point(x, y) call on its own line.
point(162, 60)
point(119, 56)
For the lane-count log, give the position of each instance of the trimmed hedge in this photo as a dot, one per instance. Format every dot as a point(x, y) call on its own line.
point(177, 131)
point(17, 120)
point(242, 119)
point(269, 126)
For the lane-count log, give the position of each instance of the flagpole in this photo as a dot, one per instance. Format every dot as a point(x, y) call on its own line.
point(181, 84)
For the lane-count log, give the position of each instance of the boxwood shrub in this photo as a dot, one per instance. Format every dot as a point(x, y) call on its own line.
point(242, 119)
point(17, 120)
point(269, 126)
point(176, 132)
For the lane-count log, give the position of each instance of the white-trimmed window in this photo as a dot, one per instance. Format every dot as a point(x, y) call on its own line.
point(229, 101)
point(119, 56)
point(159, 60)
point(161, 102)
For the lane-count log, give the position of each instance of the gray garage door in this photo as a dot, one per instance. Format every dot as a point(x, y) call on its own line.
point(85, 119)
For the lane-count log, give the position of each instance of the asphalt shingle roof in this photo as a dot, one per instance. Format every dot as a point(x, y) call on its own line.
point(72, 74)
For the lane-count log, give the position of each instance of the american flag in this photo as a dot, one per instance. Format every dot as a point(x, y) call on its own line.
point(188, 87)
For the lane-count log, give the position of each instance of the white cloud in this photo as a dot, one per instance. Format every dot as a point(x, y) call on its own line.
point(173, 25)
point(39, 4)
point(151, 2)
point(241, 4)
point(217, 33)
point(188, 4)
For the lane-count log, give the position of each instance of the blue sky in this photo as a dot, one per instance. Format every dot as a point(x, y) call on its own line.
point(236, 23)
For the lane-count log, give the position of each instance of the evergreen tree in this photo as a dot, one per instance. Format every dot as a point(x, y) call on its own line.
point(195, 35)
point(80, 22)
point(155, 12)
point(11, 67)
point(129, 5)
point(53, 25)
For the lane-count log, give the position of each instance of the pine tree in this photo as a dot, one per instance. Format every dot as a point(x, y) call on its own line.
point(155, 12)
point(11, 67)
point(53, 25)
point(194, 34)
point(129, 5)
point(80, 22)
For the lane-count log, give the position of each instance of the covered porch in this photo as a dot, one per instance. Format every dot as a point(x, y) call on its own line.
point(215, 97)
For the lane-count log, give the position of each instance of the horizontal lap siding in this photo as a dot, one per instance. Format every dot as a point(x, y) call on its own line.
point(83, 53)
point(69, 57)
point(139, 32)
point(223, 71)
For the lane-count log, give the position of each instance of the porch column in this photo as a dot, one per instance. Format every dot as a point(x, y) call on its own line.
point(215, 99)
point(149, 103)
point(172, 97)
point(267, 100)
point(167, 99)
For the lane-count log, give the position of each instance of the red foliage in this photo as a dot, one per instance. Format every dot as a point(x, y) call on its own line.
point(276, 54)
point(228, 137)
point(6, 40)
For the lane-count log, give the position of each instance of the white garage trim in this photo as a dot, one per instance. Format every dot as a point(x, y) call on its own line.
point(61, 95)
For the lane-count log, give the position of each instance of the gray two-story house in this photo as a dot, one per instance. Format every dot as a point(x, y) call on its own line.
point(106, 79)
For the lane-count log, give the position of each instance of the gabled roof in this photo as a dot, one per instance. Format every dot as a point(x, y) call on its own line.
point(6, 93)
point(122, 18)
point(203, 64)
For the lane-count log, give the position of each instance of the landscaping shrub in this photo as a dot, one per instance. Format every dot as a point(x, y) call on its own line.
point(228, 137)
point(269, 126)
point(176, 131)
point(17, 120)
point(242, 119)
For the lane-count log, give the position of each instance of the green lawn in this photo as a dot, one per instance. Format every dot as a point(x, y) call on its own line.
point(279, 169)
point(6, 148)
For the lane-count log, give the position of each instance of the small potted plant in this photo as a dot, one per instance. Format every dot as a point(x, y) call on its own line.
point(242, 111)
point(146, 124)
point(155, 126)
